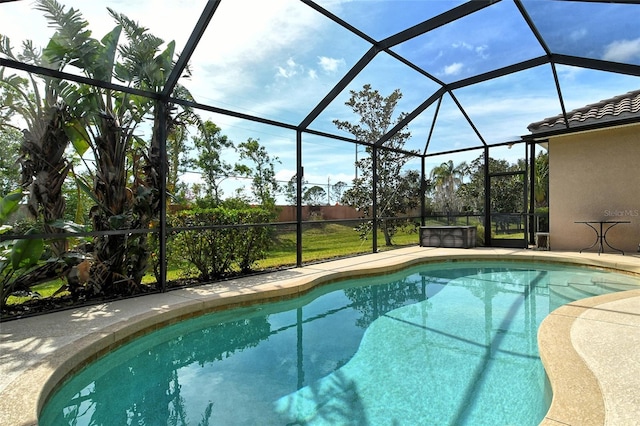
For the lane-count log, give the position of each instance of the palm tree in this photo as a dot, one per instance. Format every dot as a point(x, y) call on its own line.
point(446, 178)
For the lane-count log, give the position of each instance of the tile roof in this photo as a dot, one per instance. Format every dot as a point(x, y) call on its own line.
point(616, 108)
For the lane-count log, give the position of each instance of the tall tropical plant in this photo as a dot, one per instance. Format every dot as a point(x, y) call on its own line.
point(39, 103)
point(127, 171)
point(17, 257)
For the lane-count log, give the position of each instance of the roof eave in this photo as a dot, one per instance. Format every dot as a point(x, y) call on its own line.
point(546, 134)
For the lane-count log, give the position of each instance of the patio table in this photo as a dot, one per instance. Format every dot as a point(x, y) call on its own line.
point(601, 233)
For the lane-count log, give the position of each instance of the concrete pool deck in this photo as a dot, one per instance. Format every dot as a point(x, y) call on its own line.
point(589, 347)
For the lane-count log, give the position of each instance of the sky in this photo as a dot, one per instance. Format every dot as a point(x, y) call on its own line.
point(277, 59)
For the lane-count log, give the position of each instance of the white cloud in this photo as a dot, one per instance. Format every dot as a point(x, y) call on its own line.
point(453, 69)
point(579, 34)
point(313, 74)
point(267, 28)
point(622, 50)
point(479, 50)
point(463, 45)
point(569, 73)
point(285, 73)
point(291, 69)
point(330, 64)
point(235, 61)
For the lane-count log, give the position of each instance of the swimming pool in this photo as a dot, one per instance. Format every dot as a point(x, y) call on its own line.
point(448, 343)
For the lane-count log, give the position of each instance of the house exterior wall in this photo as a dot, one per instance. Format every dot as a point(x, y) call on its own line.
point(595, 176)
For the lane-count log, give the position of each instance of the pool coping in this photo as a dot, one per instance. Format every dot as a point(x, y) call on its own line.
point(38, 353)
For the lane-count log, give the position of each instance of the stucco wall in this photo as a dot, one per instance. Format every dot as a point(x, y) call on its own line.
point(595, 176)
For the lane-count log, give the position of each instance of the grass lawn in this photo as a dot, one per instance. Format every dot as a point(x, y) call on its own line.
point(45, 290)
point(327, 241)
point(319, 242)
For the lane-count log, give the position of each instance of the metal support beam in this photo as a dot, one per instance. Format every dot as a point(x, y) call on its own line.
point(162, 233)
point(533, 27)
point(547, 50)
point(339, 21)
point(466, 116)
point(190, 47)
point(299, 180)
point(532, 192)
point(526, 181)
point(487, 199)
point(423, 191)
point(49, 72)
point(560, 97)
point(412, 115)
point(433, 126)
point(430, 24)
point(500, 72)
point(374, 197)
point(338, 88)
point(597, 64)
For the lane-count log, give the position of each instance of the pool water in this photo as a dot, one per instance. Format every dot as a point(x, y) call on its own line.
point(440, 344)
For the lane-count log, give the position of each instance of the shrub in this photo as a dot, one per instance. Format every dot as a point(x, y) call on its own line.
point(237, 240)
point(480, 235)
point(542, 216)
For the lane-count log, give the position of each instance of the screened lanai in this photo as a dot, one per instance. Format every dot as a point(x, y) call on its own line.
point(144, 77)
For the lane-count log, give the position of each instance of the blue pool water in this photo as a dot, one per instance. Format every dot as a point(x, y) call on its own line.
point(441, 344)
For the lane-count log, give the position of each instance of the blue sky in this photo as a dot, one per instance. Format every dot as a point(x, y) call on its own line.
point(277, 59)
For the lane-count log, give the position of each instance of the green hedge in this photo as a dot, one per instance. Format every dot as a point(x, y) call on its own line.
point(216, 253)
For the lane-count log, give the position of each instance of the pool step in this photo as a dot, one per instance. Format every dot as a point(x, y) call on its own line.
point(613, 286)
point(562, 294)
point(588, 289)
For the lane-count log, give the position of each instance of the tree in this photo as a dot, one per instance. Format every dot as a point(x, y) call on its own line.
point(178, 149)
point(338, 189)
point(541, 184)
point(263, 176)
point(10, 140)
point(396, 189)
point(210, 144)
point(445, 179)
point(315, 196)
point(40, 104)
point(126, 176)
point(506, 192)
point(209, 158)
point(471, 193)
point(290, 190)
